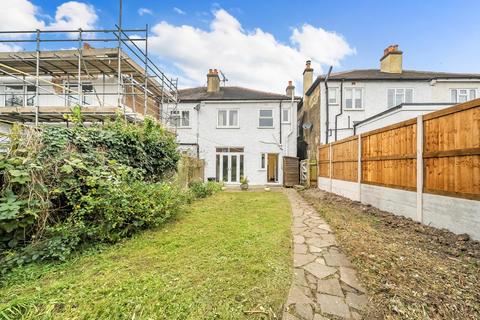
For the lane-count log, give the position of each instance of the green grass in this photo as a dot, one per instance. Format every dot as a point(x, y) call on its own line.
point(225, 255)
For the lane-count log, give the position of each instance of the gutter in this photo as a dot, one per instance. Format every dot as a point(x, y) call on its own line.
point(341, 109)
point(327, 105)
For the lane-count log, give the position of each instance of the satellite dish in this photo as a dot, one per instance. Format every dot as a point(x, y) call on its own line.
point(307, 125)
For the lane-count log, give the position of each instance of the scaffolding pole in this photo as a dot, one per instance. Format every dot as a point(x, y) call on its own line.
point(37, 79)
point(145, 102)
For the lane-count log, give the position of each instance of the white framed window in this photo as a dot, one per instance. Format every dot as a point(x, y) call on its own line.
point(71, 91)
point(462, 95)
point(285, 115)
point(185, 121)
point(227, 118)
point(19, 95)
point(396, 96)
point(265, 118)
point(180, 119)
point(263, 161)
point(354, 98)
point(332, 95)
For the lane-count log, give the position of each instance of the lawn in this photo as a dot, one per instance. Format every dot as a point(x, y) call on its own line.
point(225, 257)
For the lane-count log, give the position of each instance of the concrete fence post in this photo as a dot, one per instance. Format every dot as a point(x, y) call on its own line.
point(359, 168)
point(330, 166)
point(420, 168)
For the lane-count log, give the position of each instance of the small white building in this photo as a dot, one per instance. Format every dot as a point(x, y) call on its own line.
point(368, 99)
point(237, 131)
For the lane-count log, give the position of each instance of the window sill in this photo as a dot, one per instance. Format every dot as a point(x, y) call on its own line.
point(184, 127)
point(362, 109)
point(228, 127)
point(265, 127)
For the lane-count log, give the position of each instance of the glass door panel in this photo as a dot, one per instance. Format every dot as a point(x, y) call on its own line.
point(233, 168)
point(225, 168)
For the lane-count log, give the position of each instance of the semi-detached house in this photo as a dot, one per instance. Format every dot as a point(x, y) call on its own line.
point(237, 131)
point(345, 103)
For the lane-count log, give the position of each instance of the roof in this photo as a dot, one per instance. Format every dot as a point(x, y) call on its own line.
point(228, 93)
point(376, 74)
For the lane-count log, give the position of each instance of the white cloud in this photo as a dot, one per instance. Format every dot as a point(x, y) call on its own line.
point(74, 15)
point(179, 11)
point(252, 59)
point(19, 15)
point(144, 11)
point(23, 15)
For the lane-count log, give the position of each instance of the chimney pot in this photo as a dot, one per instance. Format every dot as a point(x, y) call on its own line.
point(290, 91)
point(391, 62)
point(213, 81)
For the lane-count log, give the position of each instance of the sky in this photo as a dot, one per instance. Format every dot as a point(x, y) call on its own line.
point(264, 44)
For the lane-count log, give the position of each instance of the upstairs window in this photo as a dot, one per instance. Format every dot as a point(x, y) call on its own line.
point(285, 116)
point(71, 91)
point(265, 119)
point(353, 98)
point(180, 119)
point(399, 96)
point(332, 95)
point(462, 95)
point(227, 118)
point(20, 96)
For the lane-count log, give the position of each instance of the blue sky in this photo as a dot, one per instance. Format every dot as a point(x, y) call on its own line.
point(435, 35)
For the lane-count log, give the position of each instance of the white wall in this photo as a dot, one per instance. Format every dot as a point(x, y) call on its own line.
point(455, 214)
point(49, 99)
point(398, 115)
point(254, 140)
point(375, 101)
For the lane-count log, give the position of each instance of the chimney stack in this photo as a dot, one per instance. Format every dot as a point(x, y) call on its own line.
point(307, 76)
point(290, 91)
point(391, 62)
point(213, 81)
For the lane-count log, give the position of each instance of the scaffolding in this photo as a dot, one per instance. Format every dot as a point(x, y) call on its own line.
point(107, 72)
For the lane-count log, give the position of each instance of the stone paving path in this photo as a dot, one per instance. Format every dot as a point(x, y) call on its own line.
point(324, 285)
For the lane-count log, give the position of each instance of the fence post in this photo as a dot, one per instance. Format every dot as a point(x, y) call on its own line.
point(330, 166)
point(359, 168)
point(420, 168)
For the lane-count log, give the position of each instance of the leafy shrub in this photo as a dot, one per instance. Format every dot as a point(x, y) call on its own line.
point(204, 189)
point(61, 188)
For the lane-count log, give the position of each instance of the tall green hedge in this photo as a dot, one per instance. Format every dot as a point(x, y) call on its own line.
point(62, 187)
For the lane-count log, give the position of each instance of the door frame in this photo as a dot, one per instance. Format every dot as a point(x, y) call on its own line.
point(238, 171)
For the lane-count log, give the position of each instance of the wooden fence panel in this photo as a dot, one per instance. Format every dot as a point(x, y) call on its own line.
point(324, 161)
point(452, 151)
point(291, 171)
point(389, 156)
point(345, 159)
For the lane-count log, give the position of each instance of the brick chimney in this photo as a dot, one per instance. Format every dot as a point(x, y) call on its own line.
point(290, 91)
point(391, 61)
point(307, 76)
point(213, 81)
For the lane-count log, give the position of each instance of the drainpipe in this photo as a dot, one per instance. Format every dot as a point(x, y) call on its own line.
point(341, 108)
point(280, 120)
point(327, 105)
point(291, 121)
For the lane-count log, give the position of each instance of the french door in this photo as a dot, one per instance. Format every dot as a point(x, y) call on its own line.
point(229, 165)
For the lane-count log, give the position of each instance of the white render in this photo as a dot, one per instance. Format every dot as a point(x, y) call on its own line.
point(436, 93)
point(248, 135)
point(455, 214)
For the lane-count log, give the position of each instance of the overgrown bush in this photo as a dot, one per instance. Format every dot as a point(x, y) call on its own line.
point(204, 189)
point(61, 188)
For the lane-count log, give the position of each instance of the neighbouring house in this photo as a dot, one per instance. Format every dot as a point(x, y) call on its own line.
point(344, 103)
point(42, 86)
point(237, 131)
